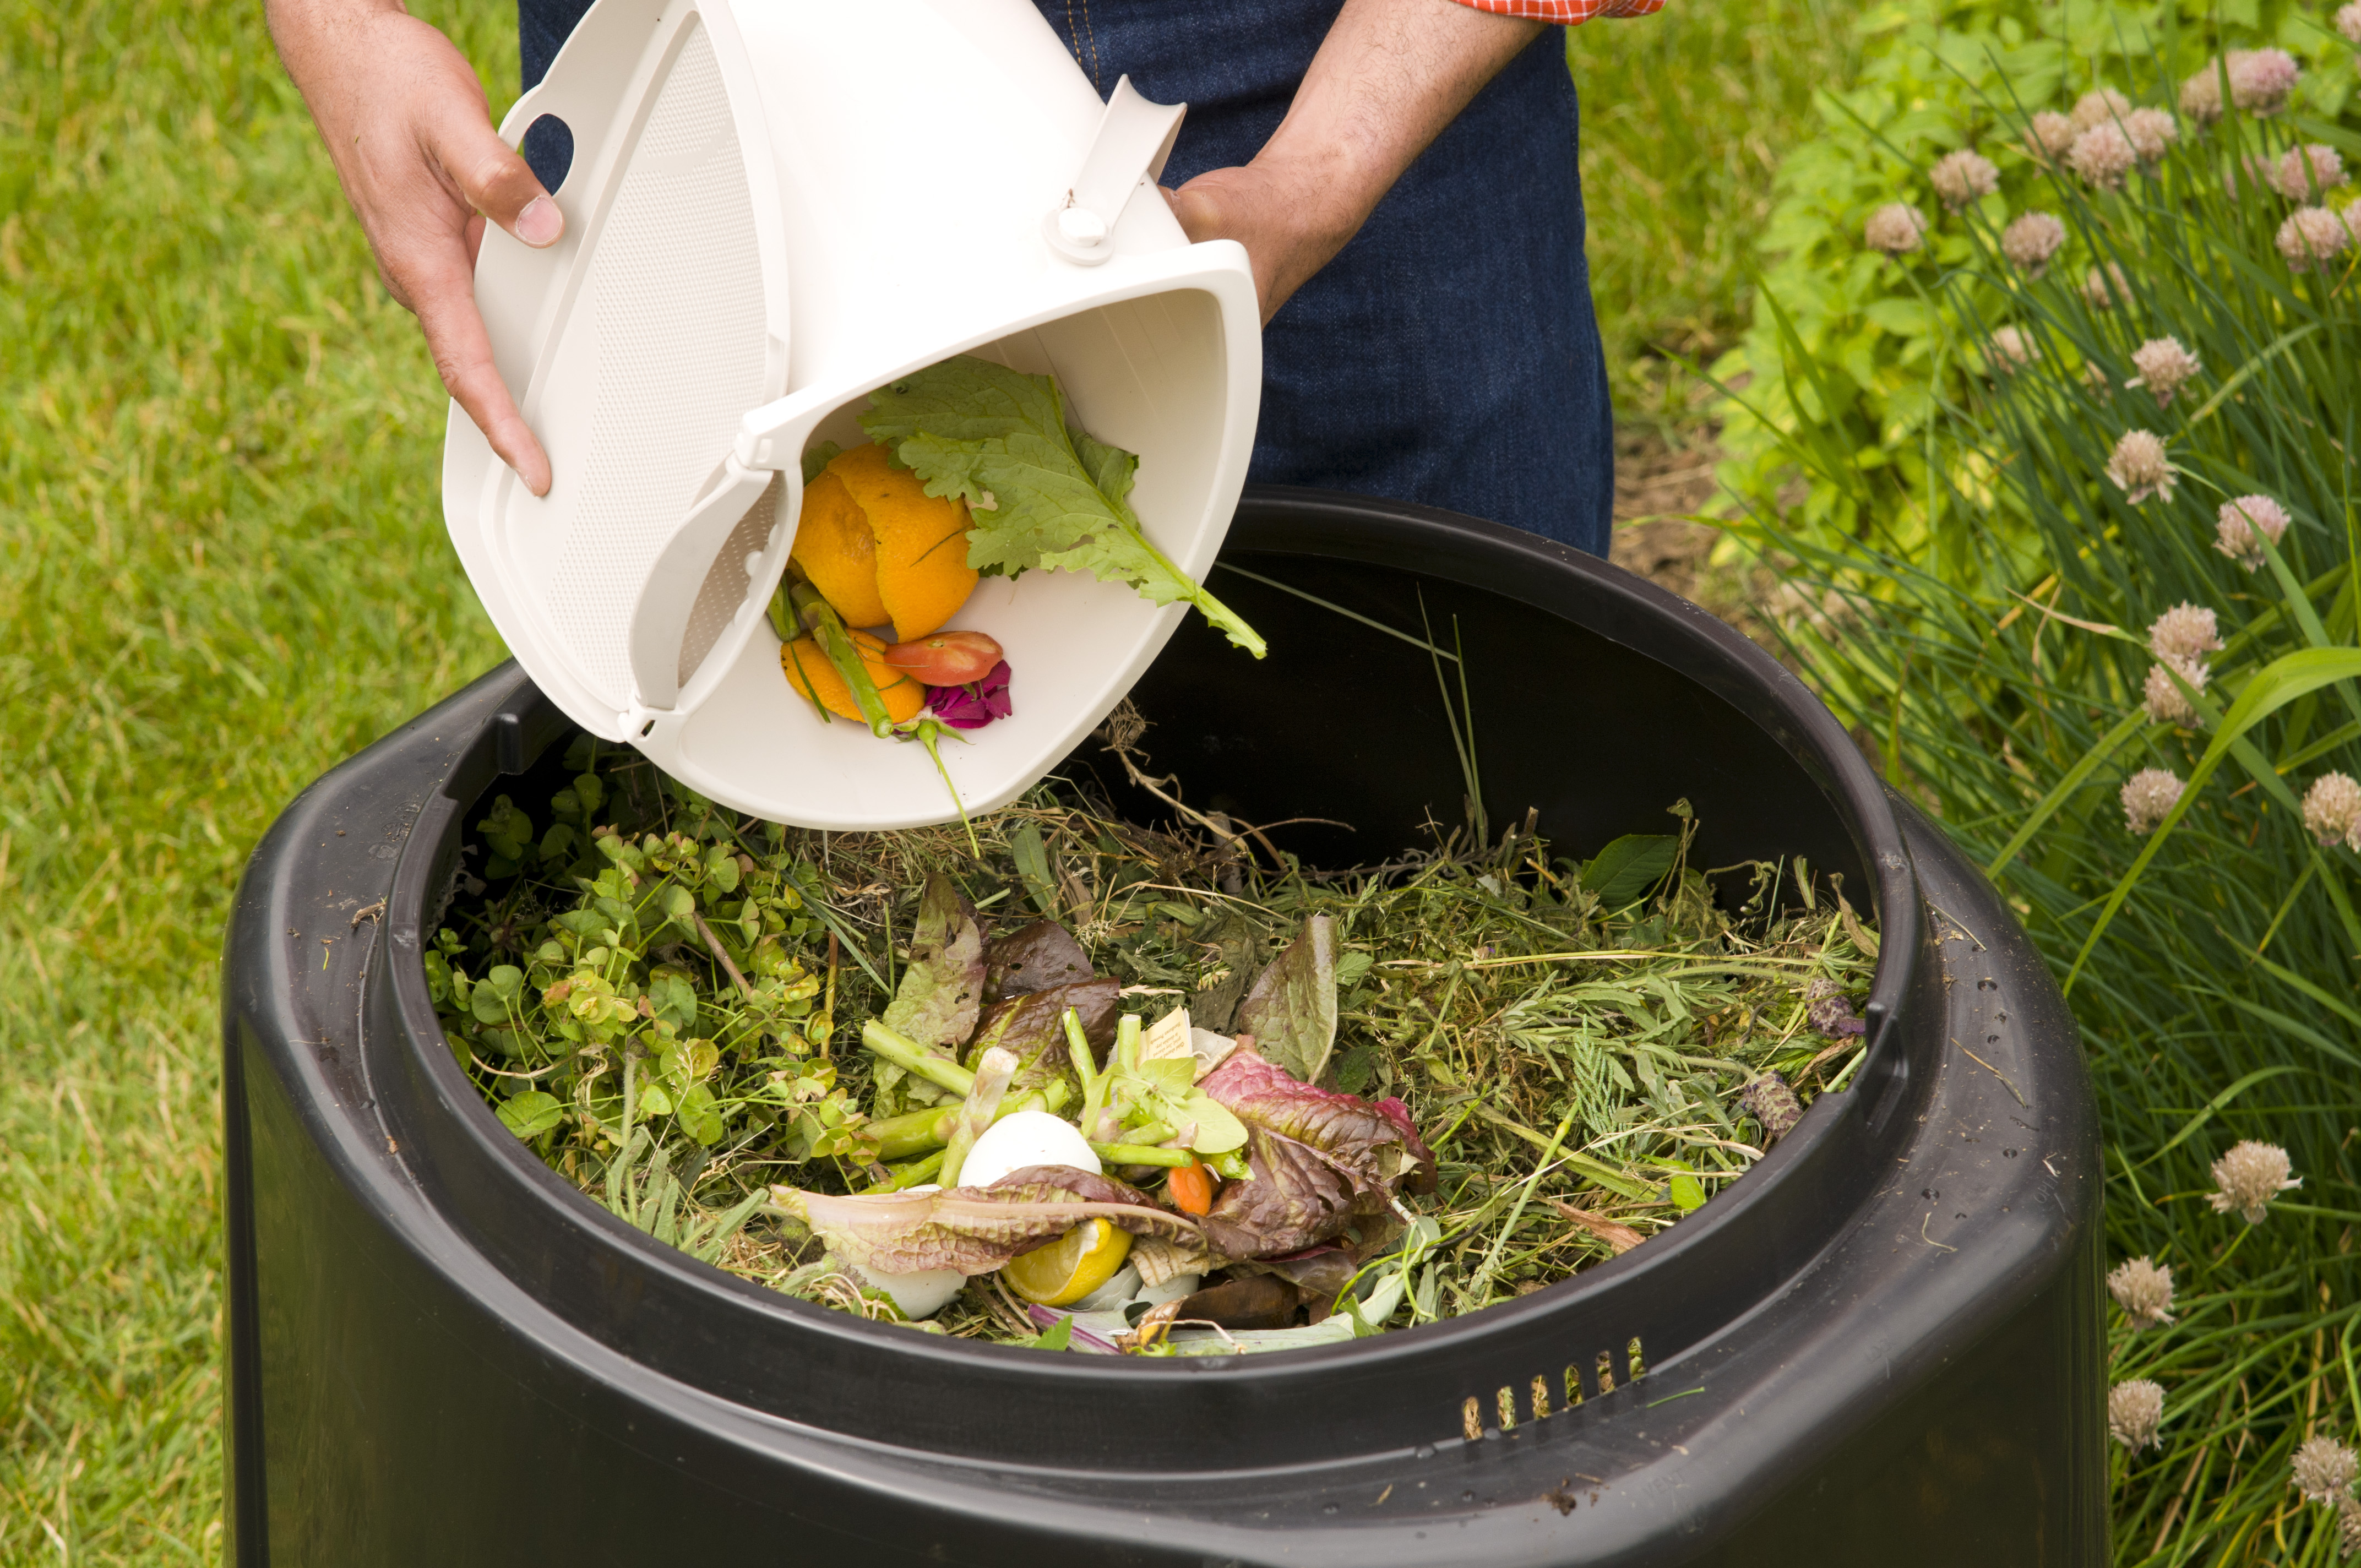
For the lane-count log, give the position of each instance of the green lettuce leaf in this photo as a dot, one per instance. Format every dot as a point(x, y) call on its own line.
point(1043, 494)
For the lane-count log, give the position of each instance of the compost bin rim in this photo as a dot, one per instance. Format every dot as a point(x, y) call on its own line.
point(1284, 522)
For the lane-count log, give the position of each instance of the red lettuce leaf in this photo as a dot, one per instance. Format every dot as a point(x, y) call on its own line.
point(1376, 1144)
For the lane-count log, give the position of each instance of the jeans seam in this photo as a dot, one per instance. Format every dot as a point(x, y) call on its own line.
point(1096, 83)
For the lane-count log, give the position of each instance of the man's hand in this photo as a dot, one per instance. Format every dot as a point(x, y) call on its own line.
point(412, 136)
point(1388, 77)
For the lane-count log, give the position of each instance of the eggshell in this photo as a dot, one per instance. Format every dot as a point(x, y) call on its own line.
point(920, 1294)
point(1029, 1137)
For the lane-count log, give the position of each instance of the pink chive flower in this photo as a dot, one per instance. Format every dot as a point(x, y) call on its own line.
point(2249, 1176)
point(2261, 80)
point(2185, 631)
point(2139, 467)
point(2050, 134)
point(1962, 177)
point(2149, 796)
point(2011, 350)
point(1894, 228)
point(2151, 132)
point(2032, 238)
point(2101, 156)
point(2200, 96)
point(2134, 1409)
point(2311, 237)
point(2100, 106)
point(2332, 808)
point(2303, 170)
point(2166, 702)
point(2238, 522)
point(2164, 366)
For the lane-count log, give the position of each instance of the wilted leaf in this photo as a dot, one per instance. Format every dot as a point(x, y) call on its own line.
point(942, 989)
point(1213, 1006)
point(1292, 1009)
point(1034, 958)
point(974, 1229)
point(1032, 1028)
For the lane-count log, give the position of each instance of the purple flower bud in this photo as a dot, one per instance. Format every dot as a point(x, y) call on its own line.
point(976, 704)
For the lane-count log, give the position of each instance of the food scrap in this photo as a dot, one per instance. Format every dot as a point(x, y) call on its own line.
point(1116, 1090)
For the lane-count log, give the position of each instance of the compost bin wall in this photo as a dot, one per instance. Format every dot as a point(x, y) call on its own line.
point(1884, 1339)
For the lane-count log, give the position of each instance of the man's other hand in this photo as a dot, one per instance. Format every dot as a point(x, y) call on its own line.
point(407, 125)
point(1389, 75)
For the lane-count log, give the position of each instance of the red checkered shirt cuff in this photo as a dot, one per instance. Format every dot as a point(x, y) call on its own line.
point(1566, 13)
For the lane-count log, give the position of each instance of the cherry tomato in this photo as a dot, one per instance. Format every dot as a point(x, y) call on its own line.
point(946, 658)
point(1190, 1188)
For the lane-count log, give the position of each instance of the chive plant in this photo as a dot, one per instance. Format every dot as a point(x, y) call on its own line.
point(2123, 713)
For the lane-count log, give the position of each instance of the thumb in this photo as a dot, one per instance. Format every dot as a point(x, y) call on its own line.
point(497, 182)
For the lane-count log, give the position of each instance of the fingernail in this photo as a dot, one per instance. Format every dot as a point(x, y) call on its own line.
point(541, 223)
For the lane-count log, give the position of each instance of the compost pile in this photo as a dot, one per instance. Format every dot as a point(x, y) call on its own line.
point(1075, 1083)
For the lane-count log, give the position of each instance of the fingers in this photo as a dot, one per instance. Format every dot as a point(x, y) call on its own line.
point(445, 300)
point(496, 180)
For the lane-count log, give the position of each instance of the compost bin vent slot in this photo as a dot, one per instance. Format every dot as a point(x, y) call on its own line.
point(1501, 1404)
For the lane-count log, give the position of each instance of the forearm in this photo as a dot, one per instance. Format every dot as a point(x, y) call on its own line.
point(1388, 78)
point(1390, 75)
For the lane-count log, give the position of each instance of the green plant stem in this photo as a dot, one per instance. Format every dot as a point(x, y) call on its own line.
point(918, 1171)
point(1142, 1154)
point(1481, 1285)
point(828, 630)
point(914, 1059)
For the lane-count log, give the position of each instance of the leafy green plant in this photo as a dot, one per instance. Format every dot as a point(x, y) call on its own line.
point(1836, 398)
point(2133, 693)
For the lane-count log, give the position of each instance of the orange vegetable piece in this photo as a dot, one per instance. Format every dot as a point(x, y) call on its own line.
point(1190, 1188)
point(880, 549)
point(810, 673)
point(837, 551)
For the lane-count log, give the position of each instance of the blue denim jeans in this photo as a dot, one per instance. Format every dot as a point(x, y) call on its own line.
point(1448, 354)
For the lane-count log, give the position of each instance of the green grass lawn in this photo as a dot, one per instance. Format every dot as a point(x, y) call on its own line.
point(222, 568)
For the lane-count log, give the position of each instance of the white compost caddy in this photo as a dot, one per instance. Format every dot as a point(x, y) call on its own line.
point(774, 207)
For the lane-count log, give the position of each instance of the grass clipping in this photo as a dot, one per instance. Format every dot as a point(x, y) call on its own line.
point(666, 1003)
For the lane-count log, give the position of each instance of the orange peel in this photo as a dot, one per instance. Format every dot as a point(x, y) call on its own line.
point(880, 549)
point(810, 673)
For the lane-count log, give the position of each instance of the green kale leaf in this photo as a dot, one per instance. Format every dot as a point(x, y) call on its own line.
point(1042, 493)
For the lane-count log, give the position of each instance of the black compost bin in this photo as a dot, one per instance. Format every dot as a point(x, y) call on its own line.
point(1881, 1345)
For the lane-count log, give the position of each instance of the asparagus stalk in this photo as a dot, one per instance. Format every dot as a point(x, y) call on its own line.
point(914, 1059)
point(912, 1174)
point(805, 608)
point(1141, 1154)
point(981, 1111)
point(899, 1137)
